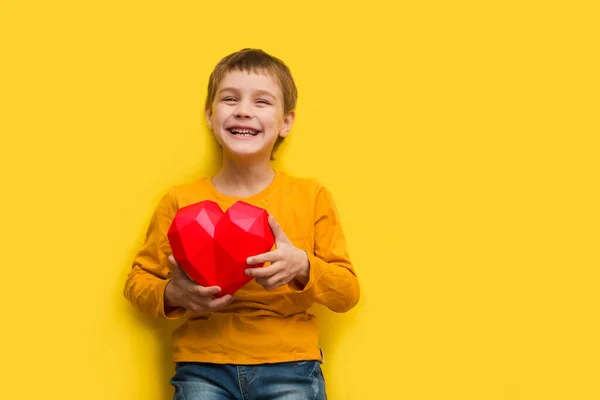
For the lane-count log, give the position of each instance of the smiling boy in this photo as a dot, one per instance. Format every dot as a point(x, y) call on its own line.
point(261, 343)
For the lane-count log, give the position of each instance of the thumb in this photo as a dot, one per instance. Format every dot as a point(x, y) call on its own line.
point(178, 273)
point(174, 266)
point(280, 236)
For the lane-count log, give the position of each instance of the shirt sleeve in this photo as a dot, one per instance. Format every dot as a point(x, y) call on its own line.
point(332, 278)
point(151, 272)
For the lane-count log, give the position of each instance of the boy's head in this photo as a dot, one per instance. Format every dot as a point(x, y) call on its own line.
point(251, 89)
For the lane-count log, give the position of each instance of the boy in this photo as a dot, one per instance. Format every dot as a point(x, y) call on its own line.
point(260, 343)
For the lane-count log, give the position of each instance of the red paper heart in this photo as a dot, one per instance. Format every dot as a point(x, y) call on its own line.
point(212, 246)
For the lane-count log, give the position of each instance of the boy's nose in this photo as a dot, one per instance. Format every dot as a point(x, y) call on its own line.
point(243, 110)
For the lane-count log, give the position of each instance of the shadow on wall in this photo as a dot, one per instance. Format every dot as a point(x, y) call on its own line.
point(331, 330)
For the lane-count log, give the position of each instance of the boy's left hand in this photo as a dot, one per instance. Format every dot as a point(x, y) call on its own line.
point(287, 262)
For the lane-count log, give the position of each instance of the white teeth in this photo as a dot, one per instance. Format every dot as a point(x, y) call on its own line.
point(243, 132)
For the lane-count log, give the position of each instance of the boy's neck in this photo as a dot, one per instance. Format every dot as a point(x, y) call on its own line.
point(243, 179)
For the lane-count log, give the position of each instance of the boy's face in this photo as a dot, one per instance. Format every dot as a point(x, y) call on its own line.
point(247, 114)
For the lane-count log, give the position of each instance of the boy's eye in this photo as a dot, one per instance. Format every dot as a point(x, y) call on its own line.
point(262, 101)
point(229, 99)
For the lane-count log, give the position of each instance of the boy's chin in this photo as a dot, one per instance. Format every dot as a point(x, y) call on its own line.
point(246, 153)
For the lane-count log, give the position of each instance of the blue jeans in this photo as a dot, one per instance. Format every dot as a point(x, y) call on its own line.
point(301, 380)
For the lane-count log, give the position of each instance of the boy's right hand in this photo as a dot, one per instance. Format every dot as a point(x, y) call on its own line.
point(181, 291)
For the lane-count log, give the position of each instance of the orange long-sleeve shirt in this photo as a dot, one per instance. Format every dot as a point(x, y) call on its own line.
point(260, 326)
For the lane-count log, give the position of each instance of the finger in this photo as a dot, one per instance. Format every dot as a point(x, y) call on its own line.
point(273, 282)
point(280, 236)
point(220, 302)
point(205, 291)
point(173, 261)
point(176, 269)
point(264, 272)
point(271, 257)
point(178, 272)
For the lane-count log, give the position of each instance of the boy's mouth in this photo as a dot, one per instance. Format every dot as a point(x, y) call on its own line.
point(243, 131)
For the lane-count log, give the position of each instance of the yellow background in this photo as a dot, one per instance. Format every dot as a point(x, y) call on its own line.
point(460, 141)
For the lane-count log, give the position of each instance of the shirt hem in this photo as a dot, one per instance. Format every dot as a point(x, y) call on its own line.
point(240, 360)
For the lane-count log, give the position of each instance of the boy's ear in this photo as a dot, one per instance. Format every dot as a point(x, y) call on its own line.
point(288, 122)
point(208, 115)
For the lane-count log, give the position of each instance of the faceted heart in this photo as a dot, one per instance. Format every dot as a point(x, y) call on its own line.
point(212, 246)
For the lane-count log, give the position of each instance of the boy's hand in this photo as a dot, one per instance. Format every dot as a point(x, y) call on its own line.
point(181, 291)
point(287, 262)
